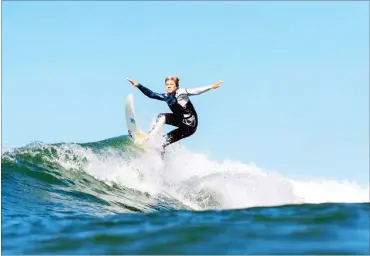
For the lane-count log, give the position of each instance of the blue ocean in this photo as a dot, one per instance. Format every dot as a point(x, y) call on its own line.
point(108, 197)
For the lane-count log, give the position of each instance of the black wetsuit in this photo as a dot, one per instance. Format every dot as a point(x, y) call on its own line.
point(183, 113)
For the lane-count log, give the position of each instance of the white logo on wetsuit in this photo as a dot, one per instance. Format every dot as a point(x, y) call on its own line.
point(180, 104)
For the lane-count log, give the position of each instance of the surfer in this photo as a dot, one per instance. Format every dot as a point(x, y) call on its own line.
point(183, 115)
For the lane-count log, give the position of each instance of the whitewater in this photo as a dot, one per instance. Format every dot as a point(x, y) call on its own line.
point(194, 180)
point(59, 188)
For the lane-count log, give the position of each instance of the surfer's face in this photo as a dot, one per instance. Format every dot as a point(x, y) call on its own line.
point(170, 86)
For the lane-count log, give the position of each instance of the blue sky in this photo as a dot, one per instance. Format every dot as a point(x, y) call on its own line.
point(296, 92)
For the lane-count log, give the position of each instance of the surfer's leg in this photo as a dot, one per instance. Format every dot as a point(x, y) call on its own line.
point(170, 119)
point(164, 118)
point(175, 135)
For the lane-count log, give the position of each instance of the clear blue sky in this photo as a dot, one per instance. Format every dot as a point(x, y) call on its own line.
point(295, 100)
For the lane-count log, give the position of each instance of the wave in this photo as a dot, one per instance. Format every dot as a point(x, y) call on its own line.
point(111, 176)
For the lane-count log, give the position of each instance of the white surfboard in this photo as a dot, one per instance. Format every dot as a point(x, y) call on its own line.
point(131, 124)
point(133, 129)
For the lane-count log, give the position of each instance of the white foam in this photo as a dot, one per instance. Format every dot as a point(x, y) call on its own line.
point(202, 183)
point(322, 191)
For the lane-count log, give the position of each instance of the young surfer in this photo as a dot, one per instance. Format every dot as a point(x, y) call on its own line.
point(183, 115)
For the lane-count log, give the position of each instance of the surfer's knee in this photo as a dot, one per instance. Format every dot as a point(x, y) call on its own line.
point(161, 118)
point(190, 130)
point(187, 131)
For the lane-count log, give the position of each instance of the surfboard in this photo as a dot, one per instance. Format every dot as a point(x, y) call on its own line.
point(134, 132)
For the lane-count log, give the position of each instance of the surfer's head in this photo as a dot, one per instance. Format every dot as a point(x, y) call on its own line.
point(171, 83)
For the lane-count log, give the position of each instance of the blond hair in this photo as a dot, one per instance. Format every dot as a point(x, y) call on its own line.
point(173, 78)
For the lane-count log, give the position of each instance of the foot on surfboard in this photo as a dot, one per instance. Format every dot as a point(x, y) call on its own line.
point(141, 138)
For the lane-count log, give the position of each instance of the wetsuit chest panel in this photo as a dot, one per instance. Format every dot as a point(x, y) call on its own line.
point(180, 104)
point(182, 97)
point(170, 99)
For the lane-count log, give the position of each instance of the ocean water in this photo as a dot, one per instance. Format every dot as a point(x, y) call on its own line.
point(108, 197)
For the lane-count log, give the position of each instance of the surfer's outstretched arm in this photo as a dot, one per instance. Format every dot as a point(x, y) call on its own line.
point(200, 90)
point(146, 91)
point(149, 93)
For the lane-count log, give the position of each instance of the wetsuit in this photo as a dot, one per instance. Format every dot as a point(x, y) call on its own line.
point(183, 113)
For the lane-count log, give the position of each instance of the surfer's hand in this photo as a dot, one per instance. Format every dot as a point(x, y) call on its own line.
point(136, 84)
point(217, 84)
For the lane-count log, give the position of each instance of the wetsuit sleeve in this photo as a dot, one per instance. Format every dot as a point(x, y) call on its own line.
point(199, 90)
point(149, 93)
